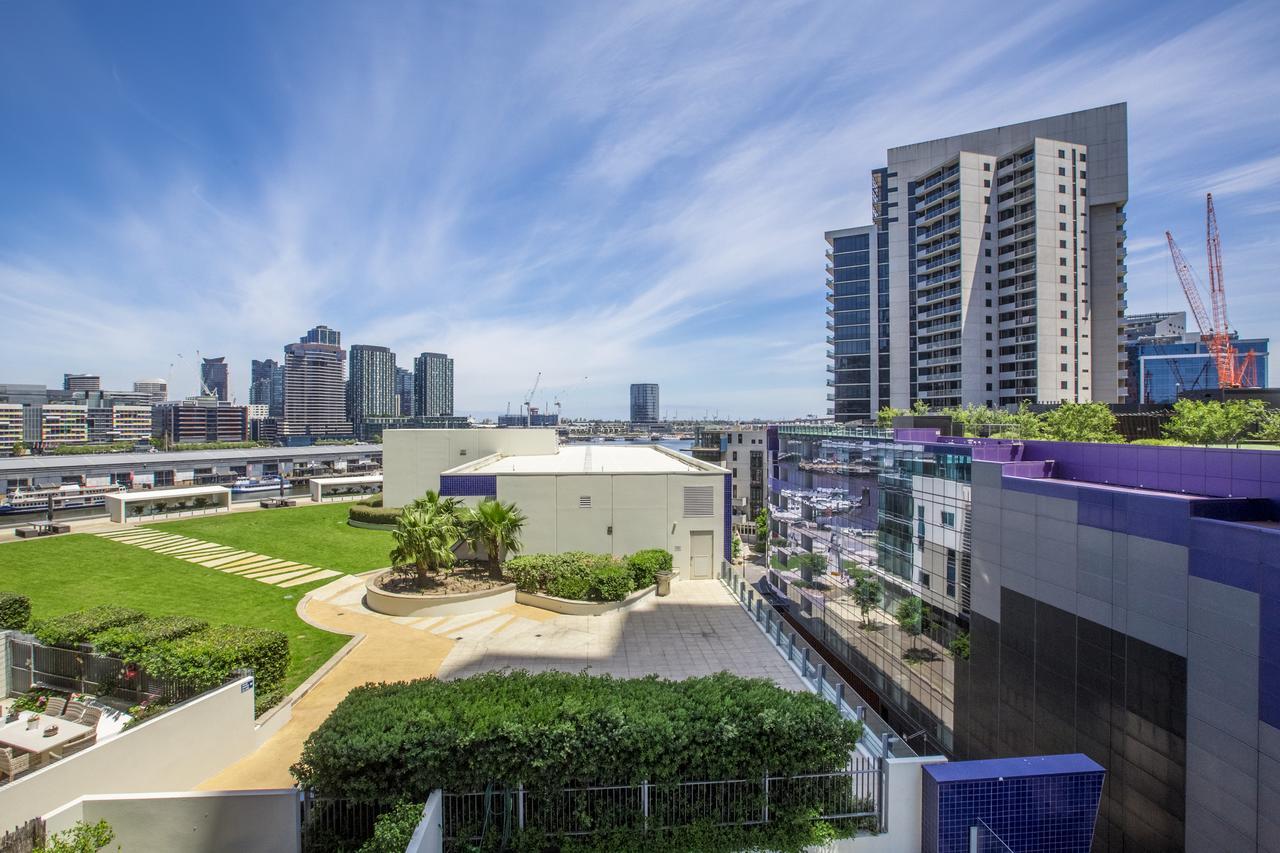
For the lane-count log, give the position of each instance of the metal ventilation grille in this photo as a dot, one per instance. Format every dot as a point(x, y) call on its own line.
point(584, 502)
point(698, 501)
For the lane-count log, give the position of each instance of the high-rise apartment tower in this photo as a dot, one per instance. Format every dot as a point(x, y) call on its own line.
point(215, 378)
point(432, 385)
point(644, 403)
point(371, 383)
point(994, 267)
point(266, 386)
point(314, 386)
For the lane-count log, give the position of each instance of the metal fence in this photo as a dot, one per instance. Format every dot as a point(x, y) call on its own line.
point(327, 825)
point(33, 665)
point(879, 739)
point(492, 818)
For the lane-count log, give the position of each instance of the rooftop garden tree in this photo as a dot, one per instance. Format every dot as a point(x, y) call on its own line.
point(1093, 422)
point(1269, 426)
point(808, 564)
point(494, 527)
point(762, 529)
point(1209, 422)
point(910, 618)
point(425, 535)
point(867, 594)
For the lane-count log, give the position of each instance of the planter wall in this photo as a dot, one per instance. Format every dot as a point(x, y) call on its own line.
point(402, 604)
point(580, 608)
point(369, 526)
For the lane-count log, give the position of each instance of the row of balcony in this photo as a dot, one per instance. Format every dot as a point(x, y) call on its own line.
point(923, 252)
point(939, 178)
point(938, 311)
point(934, 213)
point(941, 192)
point(949, 225)
point(946, 260)
point(937, 278)
point(930, 298)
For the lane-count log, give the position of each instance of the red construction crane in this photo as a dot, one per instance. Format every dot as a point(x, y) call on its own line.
point(1234, 371)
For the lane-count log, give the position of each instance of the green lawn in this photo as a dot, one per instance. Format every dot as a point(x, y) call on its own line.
point(318, 535)
point(77, 571)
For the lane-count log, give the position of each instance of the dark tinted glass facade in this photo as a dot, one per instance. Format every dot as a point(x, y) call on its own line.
point(644, 403)
point(850, 316)
point(1043, 681)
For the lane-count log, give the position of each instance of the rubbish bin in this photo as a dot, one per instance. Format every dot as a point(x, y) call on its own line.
point(664, 582)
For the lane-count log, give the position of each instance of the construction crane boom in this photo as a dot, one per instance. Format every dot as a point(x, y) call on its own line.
point(1189, 287)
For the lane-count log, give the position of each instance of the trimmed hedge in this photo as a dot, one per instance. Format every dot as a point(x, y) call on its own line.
point(580, 576)
point(376, 500)
point(393, 830)
point(373, 514)
point(555, 729)
point(15, 611)
point(207, 657)
point(128, 642)
point(79, 625)
point(646, 564)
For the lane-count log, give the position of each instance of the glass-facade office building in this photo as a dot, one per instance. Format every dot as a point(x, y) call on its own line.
point(644, 403)
point(1113, 600)
point(1163, 369)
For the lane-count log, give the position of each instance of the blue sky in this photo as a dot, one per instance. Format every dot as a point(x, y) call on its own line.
point(624, 192)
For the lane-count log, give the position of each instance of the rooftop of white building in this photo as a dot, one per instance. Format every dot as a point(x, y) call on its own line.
point(591, 459)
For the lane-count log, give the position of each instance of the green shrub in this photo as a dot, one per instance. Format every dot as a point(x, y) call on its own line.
point(386, 742)
point(645, 564)
point(394, 830)
point(571, 576)
point(208, 657)
point(129, 641)
point(264, 702)
point(15, 611)
point(373, 514)
point(82, 837)
point(79, 625)
point(530, 572)
point(611, 581)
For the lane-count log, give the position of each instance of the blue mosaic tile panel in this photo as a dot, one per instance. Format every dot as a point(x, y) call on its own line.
point(468, 486)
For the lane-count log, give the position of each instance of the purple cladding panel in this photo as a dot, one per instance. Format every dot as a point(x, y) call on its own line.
point(468, 485)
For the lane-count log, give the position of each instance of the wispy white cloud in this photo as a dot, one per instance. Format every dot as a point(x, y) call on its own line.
point(624, 191)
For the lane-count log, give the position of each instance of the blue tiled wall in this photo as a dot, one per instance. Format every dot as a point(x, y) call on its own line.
point(468, 486)
point(1042, 803)
point(728, 516)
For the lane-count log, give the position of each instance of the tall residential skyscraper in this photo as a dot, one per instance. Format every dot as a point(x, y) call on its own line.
point(644, 403)
point(432, 385)
point(215, 378)
point(156, 389)
point(999, 271)
point(371, 383)
point(404, 391)
point(81, 382)
point(266, 386)
point(314, 386)
point(323, 335)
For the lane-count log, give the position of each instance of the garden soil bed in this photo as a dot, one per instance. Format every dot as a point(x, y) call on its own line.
point(462, 580)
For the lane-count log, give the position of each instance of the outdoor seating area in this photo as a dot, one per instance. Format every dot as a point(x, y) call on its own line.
point(30, 531)
point(30, 740)
point(277, 503)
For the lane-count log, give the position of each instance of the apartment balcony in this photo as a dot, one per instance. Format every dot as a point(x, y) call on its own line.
point(831, 298)
point(923, 299)
point(934, 248)
point(937, 328)
point(939, 178)
point(831, 368)
point(831, 326)
point(1025, 216)
point(923, 346)
point(1026, 195)
point(1122, 269)
point(830, 270)
point(938, 311)
point(936, 212)
point(952, 259)
point(937, 359)
point(949, 225)
point(831, 311)
point(831, 398)
point(1025, 158)
point(939, 394)
point(831, 341)
point(1025, 250)
point(831, 383)
point(945, 376)
point(1025, 338)
point(937, 278)
point(1024, 178)
point(830, 256)
point(1015, 235)
point(944, 192)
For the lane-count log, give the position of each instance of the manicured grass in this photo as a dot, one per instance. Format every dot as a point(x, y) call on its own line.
point(317, 535)
point(77, 571)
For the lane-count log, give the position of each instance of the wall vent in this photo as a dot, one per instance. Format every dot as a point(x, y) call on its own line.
point(699, 501)
point(584, 502)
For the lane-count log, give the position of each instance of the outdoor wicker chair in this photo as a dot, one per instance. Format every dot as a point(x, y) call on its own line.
point(85, 741)
point(56, 706)
point(90, 717)
point(11, 765)
point(75, 710)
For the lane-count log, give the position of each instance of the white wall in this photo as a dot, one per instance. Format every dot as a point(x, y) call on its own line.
point(245, 821)
point(644, 510)
point(412, 459)
point(174, 751)
point(904, 799)
point(429, 836)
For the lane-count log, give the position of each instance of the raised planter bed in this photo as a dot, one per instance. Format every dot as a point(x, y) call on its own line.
point(450, 604)
point(368, 525)
point(580, 608)
point(277, 503)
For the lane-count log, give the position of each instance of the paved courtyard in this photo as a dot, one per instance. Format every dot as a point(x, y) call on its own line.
point(697, 630)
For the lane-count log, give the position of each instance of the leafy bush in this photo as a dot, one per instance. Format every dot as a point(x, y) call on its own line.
point(209, 656)
point(386, 742)
point(15, 611)
point(373, 514)
point(265, 701)
point(375, 501)
point(571, 576)
point(394, 830)
point(530, 572)
point(611, 581)
point(79, 625)
point(81, 838)
point(129, 641)
point(645, 564)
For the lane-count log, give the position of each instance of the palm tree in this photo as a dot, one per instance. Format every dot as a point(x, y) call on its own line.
point(496, 527)
point(425, 535)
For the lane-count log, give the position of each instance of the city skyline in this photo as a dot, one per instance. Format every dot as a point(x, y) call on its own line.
point(664, 207)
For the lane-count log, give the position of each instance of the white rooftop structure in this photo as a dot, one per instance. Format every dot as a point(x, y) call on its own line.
point(590, 459)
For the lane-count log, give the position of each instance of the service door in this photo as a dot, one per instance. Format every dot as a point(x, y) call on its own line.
point(700, 551)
